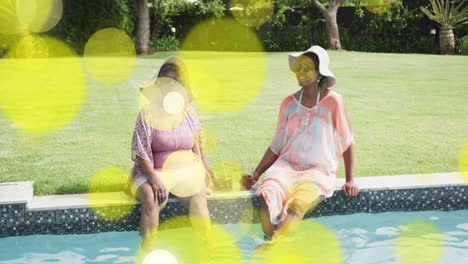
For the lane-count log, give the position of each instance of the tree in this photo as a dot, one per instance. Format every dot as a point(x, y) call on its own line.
point(158, 16)
point(166, 11)
point(143, 28)
point(330, 21)
point(449, 15)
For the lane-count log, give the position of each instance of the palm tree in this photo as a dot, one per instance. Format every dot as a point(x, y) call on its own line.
point(450, 14)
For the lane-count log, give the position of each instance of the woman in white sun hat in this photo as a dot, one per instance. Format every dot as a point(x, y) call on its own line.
point(313, 133)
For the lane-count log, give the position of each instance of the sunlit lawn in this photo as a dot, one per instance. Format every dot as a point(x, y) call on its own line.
point(408, 113)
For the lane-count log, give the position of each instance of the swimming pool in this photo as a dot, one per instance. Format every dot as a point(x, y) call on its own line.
point(391, 237)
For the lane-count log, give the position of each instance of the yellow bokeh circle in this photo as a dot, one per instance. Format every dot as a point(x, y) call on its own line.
point(252, 13)
point(174, 103)
point(304, 196)
point(187, 245)
point(248, 215)
point(183, 173)
point(276, 253)
point(109, 56)
point(33, 47)
point(42, 84)
point(163, 103)
point(311, 242)
point(225, 64)
point(377, 6)
point(228, 172)
point(9, 22)
point(419, 242)
point(463, 162)
point(39, 15)
point(160, 256)
point(107, 196)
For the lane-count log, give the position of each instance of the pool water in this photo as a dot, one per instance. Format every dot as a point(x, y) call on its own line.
point(393, 237)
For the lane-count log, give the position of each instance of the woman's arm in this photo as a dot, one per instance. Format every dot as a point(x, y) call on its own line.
point(199, 149)
point(275, 147)
point(160, 192)
point(209, 173)
point(345, 144)
point(349, 188)
point(349, 162)
point(268, 159)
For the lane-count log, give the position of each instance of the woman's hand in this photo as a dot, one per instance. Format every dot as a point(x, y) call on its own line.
point(268, 159)
point(350, 188)
point(249, 180)
point(160, 192)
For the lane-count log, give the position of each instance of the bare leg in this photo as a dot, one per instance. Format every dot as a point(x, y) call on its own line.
point(198, 211)
point(149, 219)
point(290, 223)
point(267, 227)
point(297, 210)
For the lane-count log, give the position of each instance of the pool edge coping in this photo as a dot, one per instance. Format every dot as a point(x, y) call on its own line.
point(24, 191)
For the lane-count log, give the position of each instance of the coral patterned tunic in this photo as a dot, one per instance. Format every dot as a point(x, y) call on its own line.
point(309, 143)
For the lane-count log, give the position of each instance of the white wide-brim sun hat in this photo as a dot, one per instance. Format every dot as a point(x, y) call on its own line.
point(324, 62)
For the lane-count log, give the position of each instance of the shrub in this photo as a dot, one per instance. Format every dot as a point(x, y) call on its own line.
point(462, 45)
point(6, 42)
point(167, 43)
point(183, 14)
point(285, 39)
point(3, 48)
point(398, 29)
point(82, 18)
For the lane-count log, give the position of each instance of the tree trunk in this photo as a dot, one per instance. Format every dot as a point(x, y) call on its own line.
point(143, 28)
point(447, 40)
point(330, 22)
point(332, 30)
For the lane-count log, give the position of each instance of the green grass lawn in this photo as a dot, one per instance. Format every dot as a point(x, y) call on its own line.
point(408, 113)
